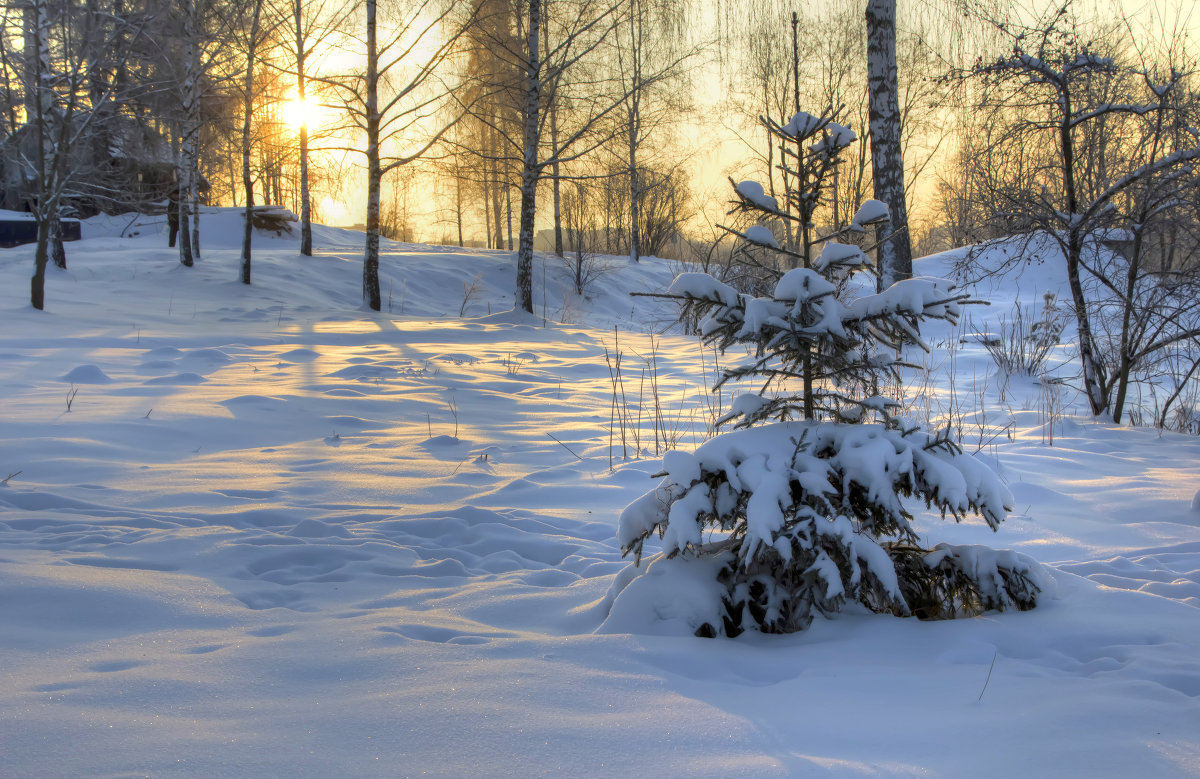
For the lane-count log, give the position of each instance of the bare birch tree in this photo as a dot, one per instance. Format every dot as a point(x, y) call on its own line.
point(313, 26)
point(203, 35)
point(398, 102)
point(563, 99)
point(252, 42)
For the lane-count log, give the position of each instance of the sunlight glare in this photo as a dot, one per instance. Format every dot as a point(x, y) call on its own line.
point(334, 212)
point(299, 113)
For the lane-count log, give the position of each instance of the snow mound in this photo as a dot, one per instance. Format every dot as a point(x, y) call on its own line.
point(86, 374)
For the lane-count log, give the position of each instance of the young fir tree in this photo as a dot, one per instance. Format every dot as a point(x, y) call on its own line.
point(805, 493)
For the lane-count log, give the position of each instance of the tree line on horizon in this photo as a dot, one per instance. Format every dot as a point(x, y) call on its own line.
point(581, 115)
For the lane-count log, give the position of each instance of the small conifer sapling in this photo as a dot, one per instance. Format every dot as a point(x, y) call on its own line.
point(799, 509)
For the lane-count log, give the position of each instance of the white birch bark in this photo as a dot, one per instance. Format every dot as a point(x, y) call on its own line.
point(887, 161)
point(371, 296)
point(634, 118)
point(247, 119)
point(529, 167)
point(305, 196)
point(40, 100)
point(189, 130)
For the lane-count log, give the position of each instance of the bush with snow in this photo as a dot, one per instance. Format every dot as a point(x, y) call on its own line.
point(798, 511)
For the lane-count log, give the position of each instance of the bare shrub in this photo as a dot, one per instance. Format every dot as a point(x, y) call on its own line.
point(1023, 342)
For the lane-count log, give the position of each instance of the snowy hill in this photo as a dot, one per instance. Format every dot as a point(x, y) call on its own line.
point(260, 531)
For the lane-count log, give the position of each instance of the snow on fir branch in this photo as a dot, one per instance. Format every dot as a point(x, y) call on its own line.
point(803, 506)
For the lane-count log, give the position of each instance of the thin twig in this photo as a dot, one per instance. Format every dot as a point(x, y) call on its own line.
point(564, 446)
point(989, 676)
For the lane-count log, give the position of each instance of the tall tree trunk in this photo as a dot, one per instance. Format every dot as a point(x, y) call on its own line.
point(193, 131)
point(40, 102)
point(31, 11)
point(184, 236)
point(634, 118)
point(247, 115)
point(887, 160)
point(1093, 371)
point(635, 195)
point(554, 166)
point(558, 231)
point(41, 257)
point(458, 205)
point(58, 252)
point(37, 28)
point(371, 297)
point(194, 185)
point(497, 194)
point(529, 166)
point(487, 211)
point(305, 195)
point(184, 170)
point(98, 86)
point(608, 218)
point(1127, 315)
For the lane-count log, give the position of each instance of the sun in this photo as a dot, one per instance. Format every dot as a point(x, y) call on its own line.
point(297, 113)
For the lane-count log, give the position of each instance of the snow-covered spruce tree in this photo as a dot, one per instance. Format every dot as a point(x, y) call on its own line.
point(801, 502)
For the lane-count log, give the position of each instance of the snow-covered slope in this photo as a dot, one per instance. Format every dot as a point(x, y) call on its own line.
point(259, 531)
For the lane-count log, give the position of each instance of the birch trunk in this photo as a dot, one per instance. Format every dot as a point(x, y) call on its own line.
point(529, 166)
point(887, 161)
point(184, 175)
point(38, 74)
point(42, 208)
point(487, 210)
point(58, 252)
point(634, 117)
point(193, 119)
point(41, 257)
point(558, 231)
point(247, 117)
point(184, 236)
point(371, 297)
point(194, 184)
point(497, 191)
point(635, 248)
point(305, 196)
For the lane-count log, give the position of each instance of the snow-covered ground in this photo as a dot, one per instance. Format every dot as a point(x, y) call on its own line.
point(255, 531)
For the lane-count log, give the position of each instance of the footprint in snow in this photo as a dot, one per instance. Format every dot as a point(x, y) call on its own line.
point(208, 356)
point(435, 635)
point(162, 353)
point(299, 355)
point(55, 687)
point(271, 631)
point(114, 666)
point(274, 599)
point(156, 366)
point(180, 379)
